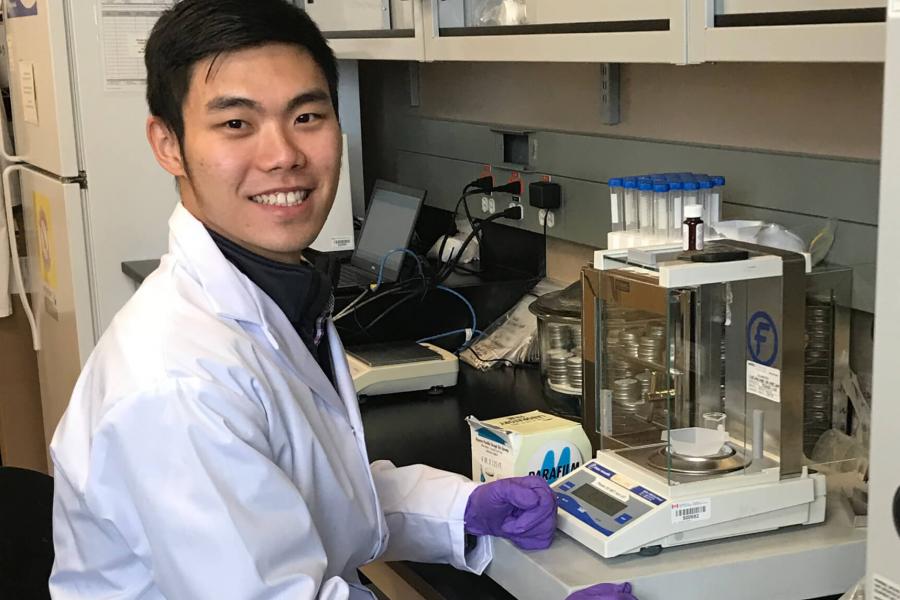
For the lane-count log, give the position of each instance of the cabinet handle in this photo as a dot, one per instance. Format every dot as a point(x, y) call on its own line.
point(895, 510)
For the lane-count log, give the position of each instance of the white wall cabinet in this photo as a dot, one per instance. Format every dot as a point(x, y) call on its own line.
point(624, 31)
point(556, 30)
point(786, 31)
point(371, 29)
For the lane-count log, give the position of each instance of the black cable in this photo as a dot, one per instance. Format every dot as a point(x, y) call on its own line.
point(508, 363)
point(445, 271)
point(390, 309)
point(365, 328)
point(399, 287)
point(465, 204)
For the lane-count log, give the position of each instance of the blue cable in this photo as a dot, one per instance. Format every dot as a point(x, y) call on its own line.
point(474, 329)
point(475, 334)
point(395, 251)
point(463, 298)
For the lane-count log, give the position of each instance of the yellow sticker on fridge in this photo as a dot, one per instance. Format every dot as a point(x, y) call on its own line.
point(44, 228)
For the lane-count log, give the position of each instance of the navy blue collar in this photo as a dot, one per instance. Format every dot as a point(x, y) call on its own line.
point(301, 292)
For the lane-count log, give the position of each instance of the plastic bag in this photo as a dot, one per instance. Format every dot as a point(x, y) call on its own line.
point(817, 240)
point(488, 13)
point(512, 338)
point(449, 246)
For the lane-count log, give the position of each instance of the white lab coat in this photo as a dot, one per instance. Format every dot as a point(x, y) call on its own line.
point(205, 454)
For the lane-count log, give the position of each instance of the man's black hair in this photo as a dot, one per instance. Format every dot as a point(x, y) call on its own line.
point(194, 30)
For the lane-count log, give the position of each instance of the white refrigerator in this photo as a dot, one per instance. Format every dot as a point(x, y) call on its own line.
point(91, 192)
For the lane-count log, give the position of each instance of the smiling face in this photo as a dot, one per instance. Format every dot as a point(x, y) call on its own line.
point(261, 154)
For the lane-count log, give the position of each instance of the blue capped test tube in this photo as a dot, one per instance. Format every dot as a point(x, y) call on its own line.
point(715, 201)
point(645, 210)
point(691, 193)
point(705, 191)
point(630, 192)
point(662, 215)
point(616, 204)
point(676, 202)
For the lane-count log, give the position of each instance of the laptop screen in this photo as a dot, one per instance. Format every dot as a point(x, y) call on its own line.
point(389, 224)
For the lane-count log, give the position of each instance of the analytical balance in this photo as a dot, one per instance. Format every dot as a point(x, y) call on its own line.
point(693, 399)
point(395, 367)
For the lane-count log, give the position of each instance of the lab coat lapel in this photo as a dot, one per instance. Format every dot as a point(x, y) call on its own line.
point(298, 357)
point(232, 295)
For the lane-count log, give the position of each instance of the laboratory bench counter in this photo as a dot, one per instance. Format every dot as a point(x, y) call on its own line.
point(796, 563)
point(139, 270)
point(419, 427)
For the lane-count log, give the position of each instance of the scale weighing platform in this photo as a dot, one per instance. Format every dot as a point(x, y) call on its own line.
point(613, 508)
point(395, 367)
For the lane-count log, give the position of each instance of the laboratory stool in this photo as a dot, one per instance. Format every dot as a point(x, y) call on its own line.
point(26, 534)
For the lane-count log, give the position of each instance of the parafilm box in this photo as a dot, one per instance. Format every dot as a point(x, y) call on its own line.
point(533, 443)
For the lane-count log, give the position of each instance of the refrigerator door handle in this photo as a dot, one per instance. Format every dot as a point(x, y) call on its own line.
point(6, 156)
point(14, 249)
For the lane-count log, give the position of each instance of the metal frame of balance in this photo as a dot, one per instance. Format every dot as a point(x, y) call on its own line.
point(693, 399)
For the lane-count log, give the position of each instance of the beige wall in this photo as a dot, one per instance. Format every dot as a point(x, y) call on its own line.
point(817, 109)
point(832, 110)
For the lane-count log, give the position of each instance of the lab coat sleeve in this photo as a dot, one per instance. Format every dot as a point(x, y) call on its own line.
point(424, 509)
point(184, 472)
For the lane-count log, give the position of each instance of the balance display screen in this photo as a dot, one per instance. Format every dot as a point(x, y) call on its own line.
point(602, 502)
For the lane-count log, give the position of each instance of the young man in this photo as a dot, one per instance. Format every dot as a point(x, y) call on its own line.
point(213, 446)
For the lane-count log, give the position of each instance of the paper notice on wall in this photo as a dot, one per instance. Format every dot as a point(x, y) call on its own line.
point(29, 95)
point(125, 26)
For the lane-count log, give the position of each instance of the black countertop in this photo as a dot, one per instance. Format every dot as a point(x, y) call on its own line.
point(418, 427)
point(138, 270)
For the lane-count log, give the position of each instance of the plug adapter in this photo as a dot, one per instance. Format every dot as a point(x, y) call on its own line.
point(513, 187)
point(545, 194)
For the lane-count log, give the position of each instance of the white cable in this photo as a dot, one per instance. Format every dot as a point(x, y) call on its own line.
point(13, 158)
point(347, 309)
point(14, 252)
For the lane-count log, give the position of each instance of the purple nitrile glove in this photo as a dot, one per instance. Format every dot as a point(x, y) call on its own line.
point(604, 591)
point(521, 509)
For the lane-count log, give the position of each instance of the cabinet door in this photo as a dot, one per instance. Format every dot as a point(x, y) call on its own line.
point(556, 30)
point(371, 29)
point(350, 15)
point(60, 279)
point(41, 86)
point(883, 569)
point(786, 30)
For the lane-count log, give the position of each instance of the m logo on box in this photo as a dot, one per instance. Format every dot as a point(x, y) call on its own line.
point(545, 464)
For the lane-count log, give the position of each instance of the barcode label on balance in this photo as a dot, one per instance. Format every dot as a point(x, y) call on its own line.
point(695, 510)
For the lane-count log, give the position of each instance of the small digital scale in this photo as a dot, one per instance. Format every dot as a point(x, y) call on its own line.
point(614, 507)
point(394, 367)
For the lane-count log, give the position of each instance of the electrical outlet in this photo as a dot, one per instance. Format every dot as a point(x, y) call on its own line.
point(521, 208)
point(485, 204)
point(492, 206)
point(551, 219)
point(542, 215)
